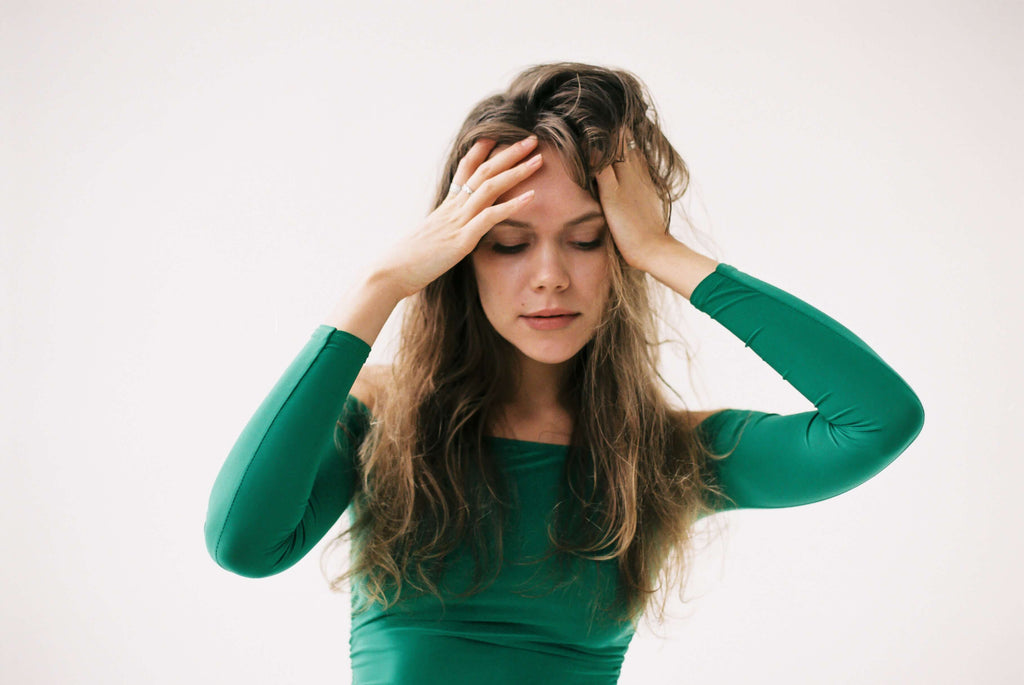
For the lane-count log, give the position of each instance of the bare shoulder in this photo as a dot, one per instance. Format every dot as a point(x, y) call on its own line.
point(370, 383)
point(694, 418)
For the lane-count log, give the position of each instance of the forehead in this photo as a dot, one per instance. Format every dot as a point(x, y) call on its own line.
point(557, 193)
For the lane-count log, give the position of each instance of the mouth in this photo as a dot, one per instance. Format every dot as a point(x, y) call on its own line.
point(551, 322)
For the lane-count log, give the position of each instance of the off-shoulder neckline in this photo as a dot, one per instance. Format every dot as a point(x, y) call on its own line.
point(513, 441)
point(492, 438)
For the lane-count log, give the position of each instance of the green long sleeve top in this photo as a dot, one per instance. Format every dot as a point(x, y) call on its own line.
point(287, 480)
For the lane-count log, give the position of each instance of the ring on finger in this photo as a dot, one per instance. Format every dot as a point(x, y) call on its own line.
point(631, 145)
point(455, 189)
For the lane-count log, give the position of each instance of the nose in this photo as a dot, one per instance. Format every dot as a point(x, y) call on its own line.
point(548, 269)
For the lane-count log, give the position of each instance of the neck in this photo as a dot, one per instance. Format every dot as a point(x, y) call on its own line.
point(535, 411)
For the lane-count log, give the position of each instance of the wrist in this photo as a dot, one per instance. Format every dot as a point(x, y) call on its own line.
point(382, 286)
point(677, 266)
point(655, 252)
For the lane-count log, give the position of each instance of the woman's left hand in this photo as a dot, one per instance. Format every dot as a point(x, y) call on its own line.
point(631, 206)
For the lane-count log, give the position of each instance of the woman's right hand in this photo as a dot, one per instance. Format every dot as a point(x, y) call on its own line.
point(455, 227)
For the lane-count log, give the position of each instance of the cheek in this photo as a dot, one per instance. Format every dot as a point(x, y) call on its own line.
point(598, 275)
point(602, 289)
point(494, 274)
point(488, 283)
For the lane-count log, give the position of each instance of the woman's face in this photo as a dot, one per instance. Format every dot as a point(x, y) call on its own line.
point(539, 258)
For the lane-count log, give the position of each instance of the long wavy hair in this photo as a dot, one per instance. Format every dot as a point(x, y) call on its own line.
point(636, 476)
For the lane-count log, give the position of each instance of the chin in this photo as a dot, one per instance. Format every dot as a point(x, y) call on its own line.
point(549, 353)
point(549, 359)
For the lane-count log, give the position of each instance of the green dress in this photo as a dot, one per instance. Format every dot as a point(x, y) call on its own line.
point(284, 484)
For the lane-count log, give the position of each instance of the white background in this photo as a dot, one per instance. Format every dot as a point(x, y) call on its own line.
point(188, 187)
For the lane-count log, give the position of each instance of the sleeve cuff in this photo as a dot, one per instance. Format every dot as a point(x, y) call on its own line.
point(336, 338)
point(707, 285)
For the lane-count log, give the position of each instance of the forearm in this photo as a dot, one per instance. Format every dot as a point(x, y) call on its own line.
point(677, 266)
point(287, 479)
point(290, 475)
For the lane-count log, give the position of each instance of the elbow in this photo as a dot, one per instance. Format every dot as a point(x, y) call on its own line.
point(913, 417)
point(905, 422)
point(233, 557)
point(242, 566)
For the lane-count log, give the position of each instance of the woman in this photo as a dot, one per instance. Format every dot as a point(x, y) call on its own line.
point(518, 480)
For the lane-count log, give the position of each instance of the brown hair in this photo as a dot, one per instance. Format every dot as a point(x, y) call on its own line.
point(636, 476)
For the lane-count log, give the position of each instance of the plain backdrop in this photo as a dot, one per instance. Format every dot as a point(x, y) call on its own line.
point(188, 187)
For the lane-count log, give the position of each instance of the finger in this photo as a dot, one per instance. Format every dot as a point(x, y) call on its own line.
point(491, 189)
point(485, 220)
point(627, 139)
point(626, 154)
point(500, 162)
point(606, 179)
point(477, 153)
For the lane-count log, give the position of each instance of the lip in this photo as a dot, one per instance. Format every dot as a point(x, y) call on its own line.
point(551, 311)
point(551, 322)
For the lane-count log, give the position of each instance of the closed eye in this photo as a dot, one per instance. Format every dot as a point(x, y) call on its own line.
point(512, 249)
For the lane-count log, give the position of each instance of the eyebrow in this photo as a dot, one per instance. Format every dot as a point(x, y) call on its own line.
point(582, 218)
